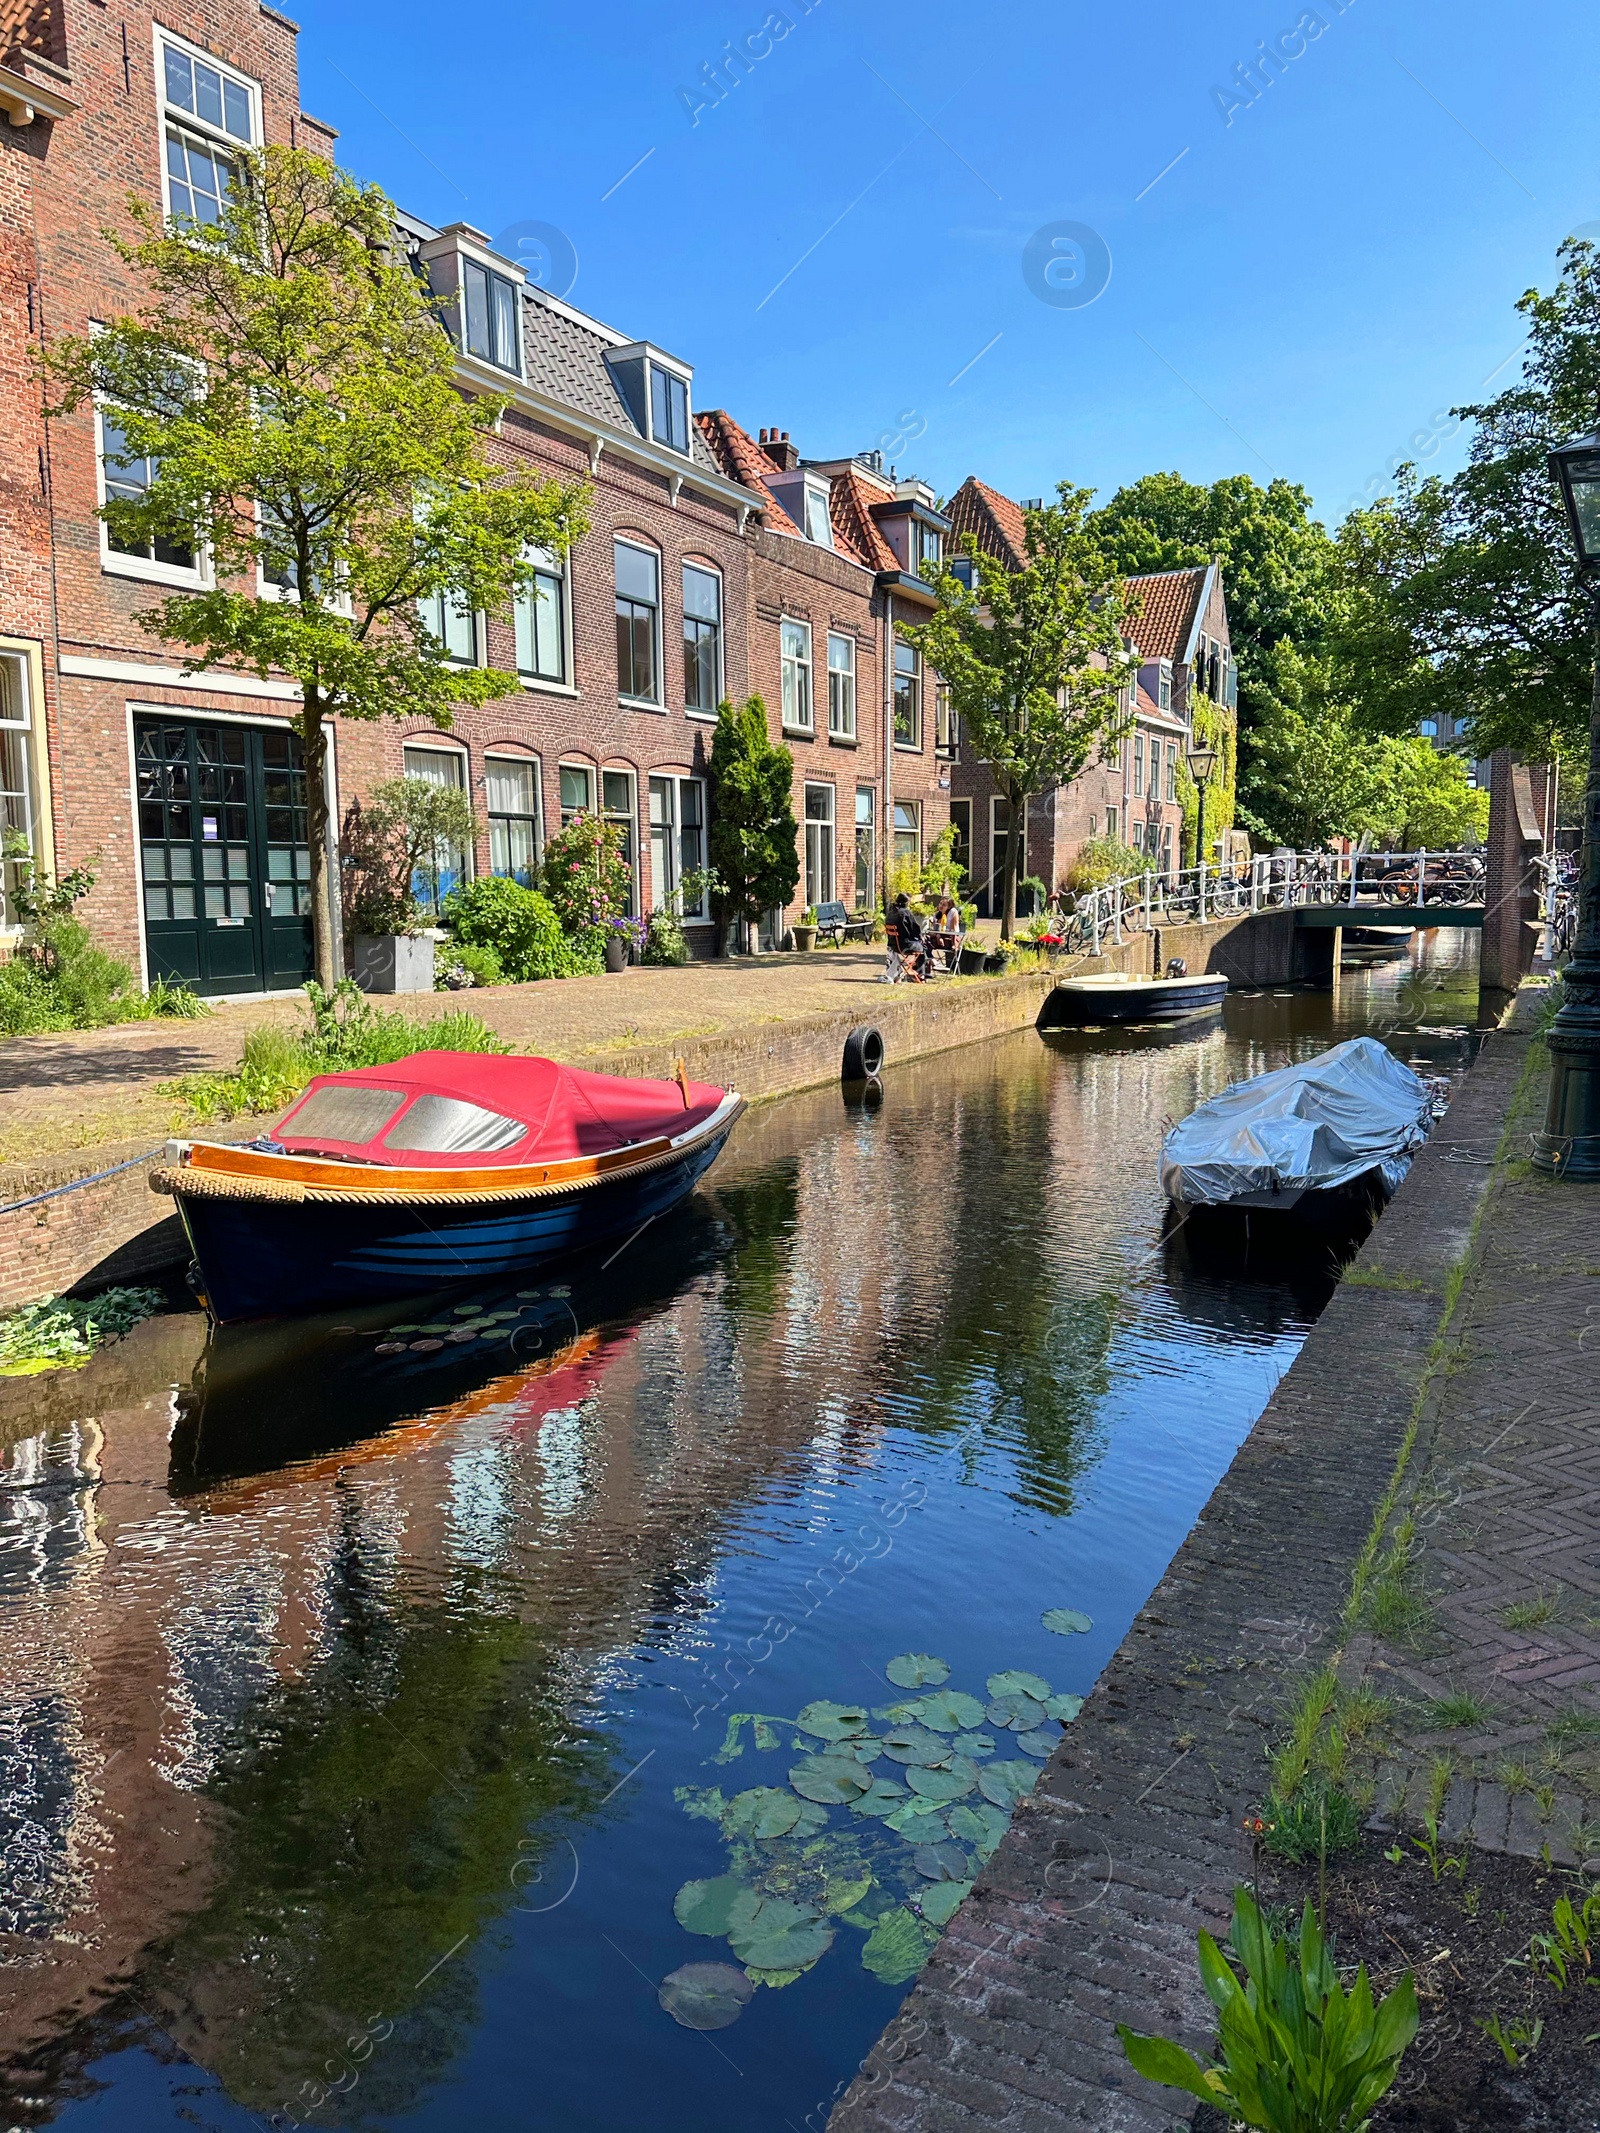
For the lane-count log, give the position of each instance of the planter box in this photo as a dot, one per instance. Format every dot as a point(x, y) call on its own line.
point(805, 938)
point(394, 962)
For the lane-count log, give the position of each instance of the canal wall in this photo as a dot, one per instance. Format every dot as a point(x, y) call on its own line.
point(1087, 1914)
point(89, 1219)
point(1260, 948)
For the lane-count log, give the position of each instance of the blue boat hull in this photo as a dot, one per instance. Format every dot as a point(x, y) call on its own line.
point(267, 1259)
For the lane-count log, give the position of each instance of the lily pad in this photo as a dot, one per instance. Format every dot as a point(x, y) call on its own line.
point(980, 1825)
point(1020, 1713)
point(714, 1907)
point(1065, 1621)
point(943, 1784)
point(1007, 1783)
point(948, 1710)
point(1015, 1683)
point(916, 1670)
point(705, 1995)
point(832, 1721)
point(781, 1936)
point(882, 1799)
point(915, 1744)
point(939, 1904)
point(1064, 1707)
point(897, 1946)
point(940, 1862)
point(830, 1779)
point(975, 1743)
point(922, 1821)
point(764, 1811)
point(1043, 1741)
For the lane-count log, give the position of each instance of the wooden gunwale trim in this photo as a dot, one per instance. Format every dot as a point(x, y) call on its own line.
point(358, 1178)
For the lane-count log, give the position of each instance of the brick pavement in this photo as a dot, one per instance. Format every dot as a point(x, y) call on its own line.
point(1086, 1915)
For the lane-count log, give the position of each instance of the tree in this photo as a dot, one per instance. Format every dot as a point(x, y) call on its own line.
point(755, 840)
point(1033, 660)
point(1278, 569)
point(1463, 594)
point(293, 385)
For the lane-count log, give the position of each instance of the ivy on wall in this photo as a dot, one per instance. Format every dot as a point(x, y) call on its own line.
point(1216, 727)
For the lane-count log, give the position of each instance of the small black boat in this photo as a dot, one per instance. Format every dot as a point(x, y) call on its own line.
point(1118, 997)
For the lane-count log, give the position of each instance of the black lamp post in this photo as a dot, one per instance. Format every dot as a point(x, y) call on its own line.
point(1569, 1146)
point(1202, 760)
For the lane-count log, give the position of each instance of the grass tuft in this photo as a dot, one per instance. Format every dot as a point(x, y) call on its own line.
point(1457, 1709)
point(1534, 1613)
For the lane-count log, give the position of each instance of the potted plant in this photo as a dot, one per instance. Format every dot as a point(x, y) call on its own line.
point(624, 938)
point(974, 955)
point(397, 851)
point(805, 933)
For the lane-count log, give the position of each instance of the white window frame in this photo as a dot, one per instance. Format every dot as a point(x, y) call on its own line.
point(817, 494)
point(527, 760)
point(112, 560)
point(607, 814)
point(919, 676)
point(667, 894)
point(802, 666)
point(640, 547)
point(426, 744)
point(190, 122)
point(1164, 686)
point(25, 657)
point(844, 728)
point(592, 772)
point(553, 565)
point(706, 570)
point(825, 846)
point(1138, 765)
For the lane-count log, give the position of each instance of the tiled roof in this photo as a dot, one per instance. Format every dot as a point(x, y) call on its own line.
point(565, 357)
point(33, 26)
point(850, 501)
point(1168, 601)
point(743, 460)
point(994, 521)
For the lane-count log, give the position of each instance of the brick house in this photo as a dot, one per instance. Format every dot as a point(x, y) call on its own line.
point(1181, 632)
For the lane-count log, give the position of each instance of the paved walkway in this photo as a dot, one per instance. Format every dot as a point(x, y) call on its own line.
point(1087, 1914)
point(82, 1088)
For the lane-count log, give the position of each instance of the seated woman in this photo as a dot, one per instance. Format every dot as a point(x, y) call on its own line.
point(943, 937)
point(905, 935)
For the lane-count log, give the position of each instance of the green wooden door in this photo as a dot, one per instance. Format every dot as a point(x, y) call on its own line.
point(224, 865)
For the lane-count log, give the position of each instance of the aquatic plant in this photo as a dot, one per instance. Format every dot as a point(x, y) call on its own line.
point(60, 1331)
point(928, 1791)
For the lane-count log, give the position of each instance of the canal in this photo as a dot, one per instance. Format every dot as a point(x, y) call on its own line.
point(431, 1719)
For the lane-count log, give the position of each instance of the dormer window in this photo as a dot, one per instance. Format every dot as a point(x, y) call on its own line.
point(930, 547)
point(818, 527)
point(804, 496)
point(669, 409)
point(490, 316)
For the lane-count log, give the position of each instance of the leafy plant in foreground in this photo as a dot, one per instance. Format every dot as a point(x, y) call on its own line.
point(1298, 2054)
point(1317, 1822)
point(60, 1330)
point(1565, 1955)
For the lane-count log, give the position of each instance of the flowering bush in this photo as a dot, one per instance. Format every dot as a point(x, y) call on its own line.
point(519, 927)
point(586, 875)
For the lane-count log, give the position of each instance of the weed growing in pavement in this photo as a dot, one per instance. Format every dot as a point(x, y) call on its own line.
point(1319, 1822)
point(1575, 1729)
point(1534, 1613)
point(1458, 1709)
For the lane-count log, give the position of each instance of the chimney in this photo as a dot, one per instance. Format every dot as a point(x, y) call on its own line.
point(776, 445)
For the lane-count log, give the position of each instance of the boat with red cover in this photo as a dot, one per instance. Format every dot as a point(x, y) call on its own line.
point(386, 1181)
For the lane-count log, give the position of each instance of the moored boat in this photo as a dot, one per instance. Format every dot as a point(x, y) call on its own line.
point(1118, 997)
point(386, 1181)
point(1310, 1139)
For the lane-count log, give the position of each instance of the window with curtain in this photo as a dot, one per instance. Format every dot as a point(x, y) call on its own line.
point(907, 696)
point(511, 801)
point(16, 791)
point(702, 638)
point(841, 686)
point(794, 658)
point(541, 623)
point(677, 840)
point(866, 847)
point(449, 862)
point(638, 621)
point(489, 316)
point(819, 828)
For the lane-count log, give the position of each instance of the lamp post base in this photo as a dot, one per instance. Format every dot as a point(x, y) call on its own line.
point(1569, 1146)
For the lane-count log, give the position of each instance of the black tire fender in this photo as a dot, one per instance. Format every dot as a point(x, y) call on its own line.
point(863, 1054)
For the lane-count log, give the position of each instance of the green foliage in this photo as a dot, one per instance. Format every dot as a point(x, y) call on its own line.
point(57, 979)
point(345, 1031)
point(587, 882)
point(1456, 1709)
point(1317, 1822)
point(59, 1331)
point(405, 832)
point(1219, 729)
point(1565, 1955)
point(456, 966)
point(1462, 595)
point(519, 927)
point(291, 383)
point(941, 876)
point(1297, 2053)
point(1103, 859)
point(665, 941)
point(754, 837)
point(1033, 660)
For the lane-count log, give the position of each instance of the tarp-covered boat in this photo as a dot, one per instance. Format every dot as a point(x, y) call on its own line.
point(1355, 1113)
point(386, 1181)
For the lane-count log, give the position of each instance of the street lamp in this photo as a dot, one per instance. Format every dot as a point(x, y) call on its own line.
point(1569, 1146)
point(1202, 760)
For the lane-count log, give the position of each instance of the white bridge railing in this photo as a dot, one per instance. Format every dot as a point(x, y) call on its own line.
point(1366, 881)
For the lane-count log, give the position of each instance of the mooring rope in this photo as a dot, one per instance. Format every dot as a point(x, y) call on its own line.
point(96, 1177)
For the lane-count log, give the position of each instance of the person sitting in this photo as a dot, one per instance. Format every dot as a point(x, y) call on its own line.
point(905, 934)
point(943, 937)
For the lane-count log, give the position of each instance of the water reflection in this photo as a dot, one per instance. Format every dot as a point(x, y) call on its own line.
point(356, 1683)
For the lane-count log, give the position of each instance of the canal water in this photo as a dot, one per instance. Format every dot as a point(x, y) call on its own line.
point(433, 1718)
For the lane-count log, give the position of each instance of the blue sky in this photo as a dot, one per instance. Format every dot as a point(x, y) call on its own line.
point(841, 244)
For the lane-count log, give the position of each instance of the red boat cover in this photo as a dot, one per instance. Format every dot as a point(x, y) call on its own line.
point(565, 1111)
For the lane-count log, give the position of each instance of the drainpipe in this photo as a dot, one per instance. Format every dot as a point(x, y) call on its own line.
point(886, 827)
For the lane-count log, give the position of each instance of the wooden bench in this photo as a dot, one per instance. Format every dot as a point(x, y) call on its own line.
point(835, 924)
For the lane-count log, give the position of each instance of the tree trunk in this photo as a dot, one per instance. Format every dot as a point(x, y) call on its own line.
point(314, 739)
point(1008, 903)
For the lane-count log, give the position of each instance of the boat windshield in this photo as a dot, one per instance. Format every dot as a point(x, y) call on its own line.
point(343, 1112)
point(444, 1125)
